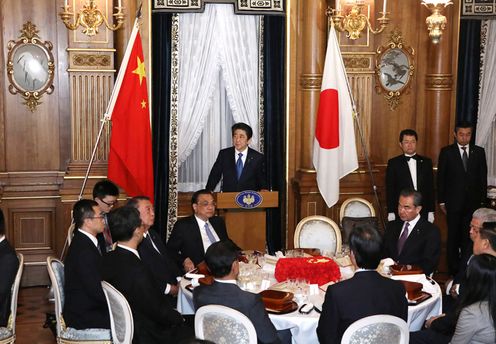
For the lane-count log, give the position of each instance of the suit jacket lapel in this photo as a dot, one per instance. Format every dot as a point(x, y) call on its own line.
point(420, 180)
point(458, 157)
point(196, 233)
point(413, 235)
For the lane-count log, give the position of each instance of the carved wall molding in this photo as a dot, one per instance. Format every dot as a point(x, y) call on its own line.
point(478, 8)
point(362, 89)
point(174, 130)
point(240, 6)
point(91, 60)
point(439, 82)
point(357, 62)
point(90, 94)
point(311, 82)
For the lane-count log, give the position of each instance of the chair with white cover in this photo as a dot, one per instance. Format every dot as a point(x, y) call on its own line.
point(318, 232)
point(68, 335)
point(221, 324)
point(7, 334)
point(121, 317)
point(377, 329)
point(356, 207)
point(356, 211)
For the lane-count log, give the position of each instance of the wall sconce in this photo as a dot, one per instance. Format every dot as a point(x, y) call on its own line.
point(90, 18)
point(355, 22)
point(436, 22)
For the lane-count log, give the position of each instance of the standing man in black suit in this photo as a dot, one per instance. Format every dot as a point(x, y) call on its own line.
point(8, 269)
point(152, 249)
point(462, 188)
point(239, 167)
point(409, 170)
point(155, 321)
point(221, 259)
point(411, 239)
point(366, 293)
point(191, 236)
point(85, 304)
point(105, 193)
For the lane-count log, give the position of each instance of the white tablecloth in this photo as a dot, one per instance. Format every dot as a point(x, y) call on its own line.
point(304, 327)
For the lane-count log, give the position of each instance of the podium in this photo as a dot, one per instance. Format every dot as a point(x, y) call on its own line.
point(246, 226)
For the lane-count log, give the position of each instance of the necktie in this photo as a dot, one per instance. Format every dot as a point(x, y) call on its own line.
point(239, 165)
point(210, 235)
point(402, 238)
point(414, 157)
point(465, 158)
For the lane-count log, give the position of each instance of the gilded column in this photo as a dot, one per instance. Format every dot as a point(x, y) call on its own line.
point(439, 104)
point(311, 46)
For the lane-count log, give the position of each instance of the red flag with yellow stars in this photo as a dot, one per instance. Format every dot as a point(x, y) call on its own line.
point(130, 159)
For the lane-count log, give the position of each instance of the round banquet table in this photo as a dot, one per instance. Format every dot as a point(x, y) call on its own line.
point(303, 327)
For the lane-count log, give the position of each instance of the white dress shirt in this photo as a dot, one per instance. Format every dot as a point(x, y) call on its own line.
point(203, 233)
point(243, 157)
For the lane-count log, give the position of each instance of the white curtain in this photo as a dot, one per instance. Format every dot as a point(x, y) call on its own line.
point(239, 60)
point(218, 85)
point(486, 123)
point(198, 68)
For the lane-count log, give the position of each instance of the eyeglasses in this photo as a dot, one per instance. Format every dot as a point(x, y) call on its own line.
point(206, 204)
point(110, 204)
point(96, 217)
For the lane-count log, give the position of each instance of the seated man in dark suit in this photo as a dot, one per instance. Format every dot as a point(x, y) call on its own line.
point(8, 269)
point(221, 259)
point(366, 293)
point(412, 240)
point(85, 304)
point(105, 193)
point(239, 167)
point(152, 249)
point(409, 170)
point(191, 236)
point(440, 329)
point(155, 321)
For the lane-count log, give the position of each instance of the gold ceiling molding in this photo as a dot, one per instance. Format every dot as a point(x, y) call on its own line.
point(240, 6)
point(478, 8)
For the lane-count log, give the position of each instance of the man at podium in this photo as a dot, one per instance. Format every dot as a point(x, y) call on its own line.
point(239, 167)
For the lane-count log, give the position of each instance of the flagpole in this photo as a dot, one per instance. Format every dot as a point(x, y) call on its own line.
point(362, 142)
point(111, 103)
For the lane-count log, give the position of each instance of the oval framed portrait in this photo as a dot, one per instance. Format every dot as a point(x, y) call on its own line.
point(31, 72)
point(30, 66)
point(394, 69)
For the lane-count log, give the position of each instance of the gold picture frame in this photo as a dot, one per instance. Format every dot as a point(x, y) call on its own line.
point(30, 66)
point(394, 69)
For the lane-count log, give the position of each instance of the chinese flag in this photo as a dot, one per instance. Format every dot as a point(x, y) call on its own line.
point(334, 148)
point(130, 158)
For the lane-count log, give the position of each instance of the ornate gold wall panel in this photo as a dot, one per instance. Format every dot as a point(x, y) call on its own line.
point(89, 94)
point(362, 86)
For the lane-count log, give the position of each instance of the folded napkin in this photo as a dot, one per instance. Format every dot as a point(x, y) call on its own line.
point(194, 276)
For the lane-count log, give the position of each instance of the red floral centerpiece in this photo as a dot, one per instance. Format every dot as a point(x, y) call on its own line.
point(315, 270)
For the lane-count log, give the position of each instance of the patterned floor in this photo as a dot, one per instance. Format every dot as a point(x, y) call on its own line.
point(31, 314)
